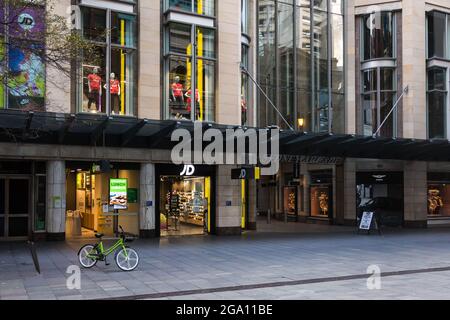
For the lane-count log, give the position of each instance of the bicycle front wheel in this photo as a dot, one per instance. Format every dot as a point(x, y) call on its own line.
point(84, 256)
point(127, 259)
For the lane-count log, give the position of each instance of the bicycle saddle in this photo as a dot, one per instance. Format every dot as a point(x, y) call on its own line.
point(99, 235)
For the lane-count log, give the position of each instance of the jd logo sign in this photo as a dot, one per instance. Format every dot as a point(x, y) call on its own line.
point(243, 174)
point(26, 21)
point(188, 170)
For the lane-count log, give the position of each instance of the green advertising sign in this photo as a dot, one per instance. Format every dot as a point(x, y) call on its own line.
point(132, 195)
point(118, 197)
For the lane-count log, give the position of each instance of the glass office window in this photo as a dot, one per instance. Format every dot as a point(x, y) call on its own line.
point(437, 103)
point(379, 96)
point(190, 74)
point(123, 29)
point(202, 7)
point(244, 84)
point(304, 70)
point(245, 16)
point(437, 34)
point(267, 69)
point(378, 36)
point(286, 62)
point(94, 24)
point(301, 64)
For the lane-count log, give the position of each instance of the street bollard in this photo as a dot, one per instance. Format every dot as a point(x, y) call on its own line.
point(34, 256)
point(269, 216)
point(285, 217)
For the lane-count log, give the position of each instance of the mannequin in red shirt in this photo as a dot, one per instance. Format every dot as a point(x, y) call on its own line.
point(94, 87)
point(176, 93)
point(114, 89)
point(189, 101)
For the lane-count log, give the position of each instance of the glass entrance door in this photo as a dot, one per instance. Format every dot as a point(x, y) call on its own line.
point(14, 208)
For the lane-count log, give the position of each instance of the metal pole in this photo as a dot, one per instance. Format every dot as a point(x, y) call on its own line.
point(405, 91)
point(269, 215)
point(265, 95)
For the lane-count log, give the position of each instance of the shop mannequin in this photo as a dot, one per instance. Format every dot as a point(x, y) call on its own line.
point(114, 89)
point(176, 94)
point(94, 85)
point(189, 101)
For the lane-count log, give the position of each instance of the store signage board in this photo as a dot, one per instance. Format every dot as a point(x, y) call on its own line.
point(366, 221)
point(245, 174)
point(118, 194)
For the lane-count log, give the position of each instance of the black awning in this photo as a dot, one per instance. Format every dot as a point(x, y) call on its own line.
point(353, 146)
point(101, 130)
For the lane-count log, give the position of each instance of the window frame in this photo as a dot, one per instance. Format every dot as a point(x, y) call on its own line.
point(166, 8)
point(378, 93)
point(394, 38)
point(446, 36)
point(109, 47)
point(445, 66)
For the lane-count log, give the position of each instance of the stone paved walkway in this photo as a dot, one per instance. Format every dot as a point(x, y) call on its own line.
point(199, 263)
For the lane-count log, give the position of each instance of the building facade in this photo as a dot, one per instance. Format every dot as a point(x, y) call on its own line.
point(167, 62)
point(325, 67)
point(377, 68)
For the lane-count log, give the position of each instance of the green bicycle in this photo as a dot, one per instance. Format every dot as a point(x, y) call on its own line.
point(127, 259)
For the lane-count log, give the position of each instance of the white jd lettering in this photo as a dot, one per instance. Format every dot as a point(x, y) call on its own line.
point(188, 170)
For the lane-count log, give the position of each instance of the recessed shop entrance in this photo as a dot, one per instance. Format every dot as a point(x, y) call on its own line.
point(185, 204)
point(381, 193)
point(15, 208)
point(89, 191)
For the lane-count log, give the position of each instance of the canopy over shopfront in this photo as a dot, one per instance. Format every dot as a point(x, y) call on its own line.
point(100, 130)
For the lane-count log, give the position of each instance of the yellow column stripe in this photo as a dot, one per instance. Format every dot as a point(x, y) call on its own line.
point(122, 67)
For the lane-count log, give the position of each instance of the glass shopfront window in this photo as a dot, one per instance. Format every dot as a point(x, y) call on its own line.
point(378, 36)
point(185, 204)
point(202, 7)
point(438, 195)
point(108, 78)
point(437, 102)
point(190, 74)
point(321, 194)
point(290, 200)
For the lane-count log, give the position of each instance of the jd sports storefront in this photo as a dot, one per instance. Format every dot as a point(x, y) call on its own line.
point(185, 202)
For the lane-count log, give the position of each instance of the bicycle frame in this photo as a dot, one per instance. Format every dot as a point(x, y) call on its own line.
point(101, 250)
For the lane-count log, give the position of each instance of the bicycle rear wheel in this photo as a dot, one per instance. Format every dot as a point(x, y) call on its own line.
point(83, 256)
point(127, 259)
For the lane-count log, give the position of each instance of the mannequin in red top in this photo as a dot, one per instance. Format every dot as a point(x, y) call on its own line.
point(114, 89)
point(94, 85)
point(176, 93)
point(189, 101)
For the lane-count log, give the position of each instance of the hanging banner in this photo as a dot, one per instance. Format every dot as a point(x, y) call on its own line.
point(118, 197)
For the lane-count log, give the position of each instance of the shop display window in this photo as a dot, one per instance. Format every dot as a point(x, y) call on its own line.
point(439, 200)
point(290, 200)
point(190, 74)
point(184, 205)
point(107, 78)
point(320, 201)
